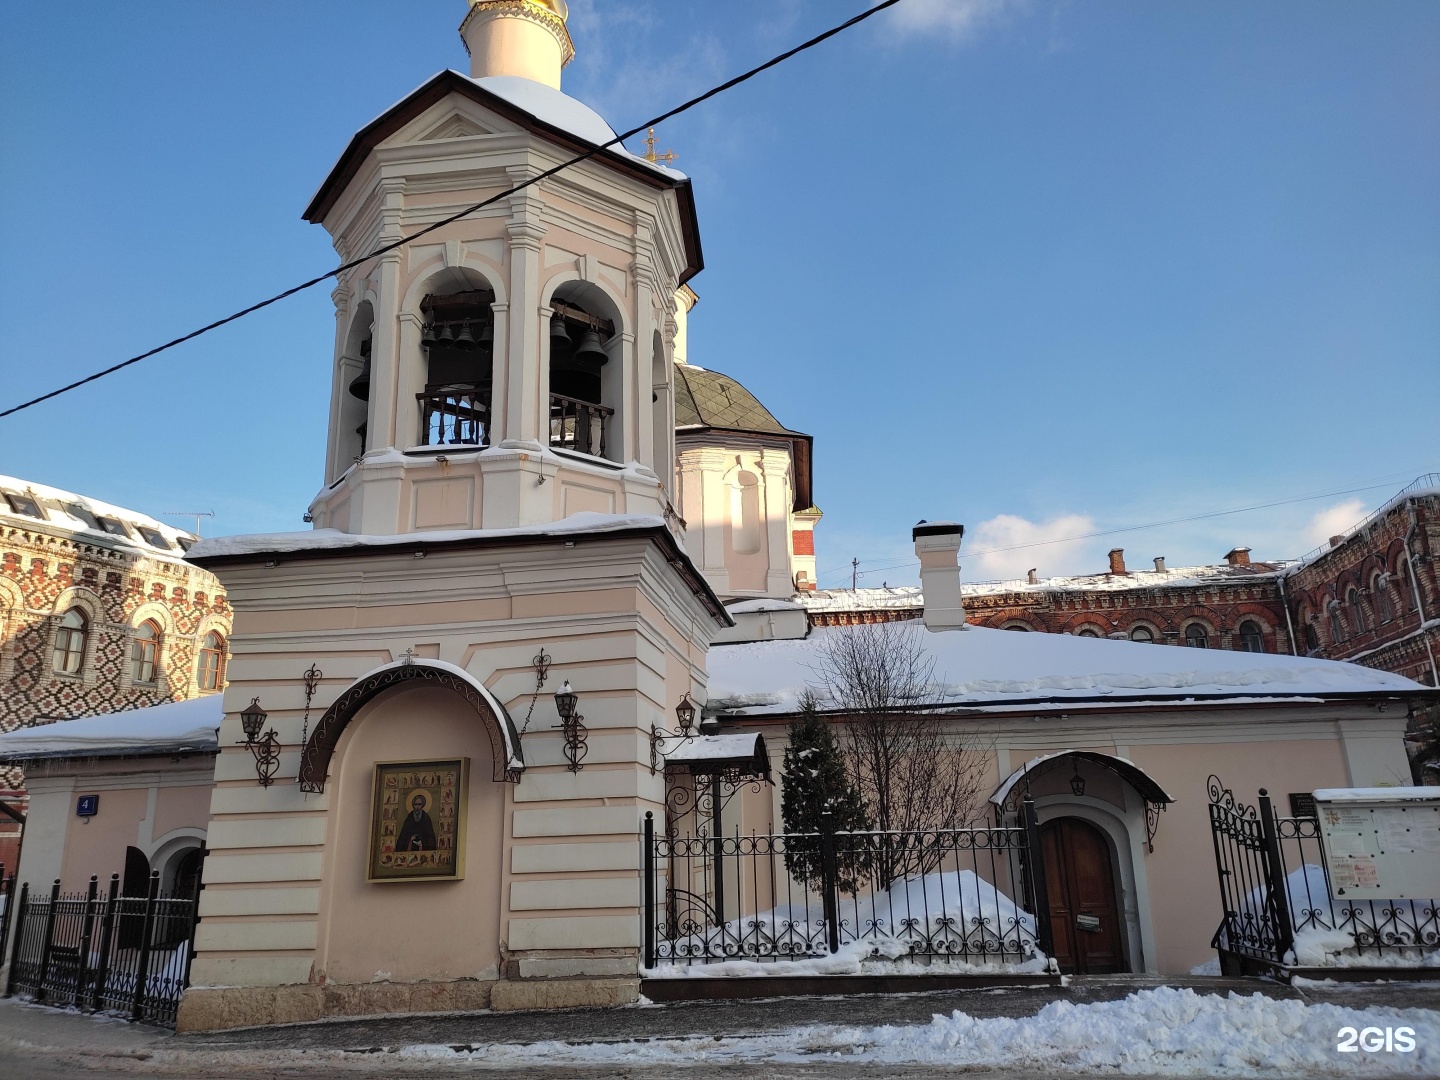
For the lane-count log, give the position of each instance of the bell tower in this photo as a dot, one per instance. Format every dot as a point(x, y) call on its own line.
point(500, 372)
point(495, 523)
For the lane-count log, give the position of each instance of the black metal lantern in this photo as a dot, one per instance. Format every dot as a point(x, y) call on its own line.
point(709, 725)
point(265, 749)
point(1077, 782)
point(565, 699)
point(252, 718)
point(685, 714)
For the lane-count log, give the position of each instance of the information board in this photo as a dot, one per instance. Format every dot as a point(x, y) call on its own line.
point(1388, 850)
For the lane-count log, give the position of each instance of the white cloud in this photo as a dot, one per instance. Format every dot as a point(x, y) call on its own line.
point(960, 20)
point(1333, 521)
point(1045, 546)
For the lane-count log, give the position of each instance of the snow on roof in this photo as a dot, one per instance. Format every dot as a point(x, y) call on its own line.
point(748, 607)
point(562, 111)
point(983, 666)
point(176, 727)
point(83, 515)
point(1422, 486)
point(587, 522)
point(1376, 794)
point(716, 748)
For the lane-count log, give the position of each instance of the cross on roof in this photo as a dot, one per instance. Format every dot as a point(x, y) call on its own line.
point(650, 154)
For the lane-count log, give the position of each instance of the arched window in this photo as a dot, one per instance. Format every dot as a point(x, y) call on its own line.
point(1142, 633)
point(1087, 632)
point(1337, 626)
point(1380, 589)
point(579, 415)
point(1196, 636)
point(144, 652)
point(459, 342)
point(70, 641)
point(1252, 638)
point(210, 671)
point(1016, 626)
point(1357, 611)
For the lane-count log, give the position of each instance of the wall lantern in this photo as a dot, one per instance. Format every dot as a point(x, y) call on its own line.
point(264, 748)
point(572, 724)
point(685, 715)
point(1077, 782)
point(685, 730)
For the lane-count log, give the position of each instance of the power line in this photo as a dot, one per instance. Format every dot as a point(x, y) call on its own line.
point(653, 122)
point(1129, 528)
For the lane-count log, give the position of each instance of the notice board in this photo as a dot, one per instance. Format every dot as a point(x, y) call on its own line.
point(1387, 849)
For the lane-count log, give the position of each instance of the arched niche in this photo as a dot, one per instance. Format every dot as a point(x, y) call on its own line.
point(411, 930)
point(509, 763)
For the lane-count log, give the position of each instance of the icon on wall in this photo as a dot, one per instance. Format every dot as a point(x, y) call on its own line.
point(87, 806)
point(417, 820)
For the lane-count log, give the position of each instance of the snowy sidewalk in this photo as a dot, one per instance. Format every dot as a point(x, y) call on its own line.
point(1132, 1025)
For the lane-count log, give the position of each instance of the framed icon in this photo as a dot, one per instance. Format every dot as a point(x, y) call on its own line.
point(417, 820)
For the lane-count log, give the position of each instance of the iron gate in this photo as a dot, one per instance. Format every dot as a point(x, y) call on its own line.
point(1275, 884)
point(104, 953)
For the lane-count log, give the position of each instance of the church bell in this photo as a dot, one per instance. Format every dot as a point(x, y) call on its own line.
point(559, 336)
point(427, 336)
point(591, 352)
point(360, 385)
point(465, 339)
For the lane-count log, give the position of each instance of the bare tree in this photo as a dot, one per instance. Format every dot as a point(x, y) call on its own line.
point(914, 770)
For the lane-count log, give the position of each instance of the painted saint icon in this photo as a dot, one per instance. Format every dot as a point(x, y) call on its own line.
point(418, 831)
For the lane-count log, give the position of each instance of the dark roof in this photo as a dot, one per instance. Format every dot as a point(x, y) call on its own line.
point(710, 401)
point(451, 82)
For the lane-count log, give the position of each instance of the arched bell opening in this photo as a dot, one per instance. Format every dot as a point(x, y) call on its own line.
point(352, 428)
point(458, 340)
point(583, 384)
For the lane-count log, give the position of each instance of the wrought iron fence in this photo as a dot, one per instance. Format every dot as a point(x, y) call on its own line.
point(128, 955)
point(949, 896)
point(1275, 884)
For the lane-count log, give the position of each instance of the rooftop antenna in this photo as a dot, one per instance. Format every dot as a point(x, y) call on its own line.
point(196, 514)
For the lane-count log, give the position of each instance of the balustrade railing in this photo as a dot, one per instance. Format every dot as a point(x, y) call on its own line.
point(578, 425)
point(456, 415)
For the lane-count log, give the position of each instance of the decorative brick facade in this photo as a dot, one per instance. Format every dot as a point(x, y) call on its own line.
point(51, 566)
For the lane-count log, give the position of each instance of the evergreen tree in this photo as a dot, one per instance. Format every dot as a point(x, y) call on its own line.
point(814, 780)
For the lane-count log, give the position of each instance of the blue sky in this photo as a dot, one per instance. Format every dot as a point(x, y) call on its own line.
point(1043, 268)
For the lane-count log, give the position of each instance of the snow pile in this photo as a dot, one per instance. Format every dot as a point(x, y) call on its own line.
point(1161, 1032)
point(176, 727)
point(952, 912)
point(1322, 925)
point(984, 665)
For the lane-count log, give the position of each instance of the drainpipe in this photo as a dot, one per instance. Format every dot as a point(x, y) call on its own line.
point(1289, 626)
point(1415, 587)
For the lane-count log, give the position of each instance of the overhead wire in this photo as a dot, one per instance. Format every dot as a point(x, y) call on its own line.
point(393, 245)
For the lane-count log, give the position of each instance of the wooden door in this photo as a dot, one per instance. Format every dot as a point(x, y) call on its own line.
point(1080, 876)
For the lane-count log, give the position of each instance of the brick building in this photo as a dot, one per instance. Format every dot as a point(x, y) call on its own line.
point(99, 612)
point(1371, 596)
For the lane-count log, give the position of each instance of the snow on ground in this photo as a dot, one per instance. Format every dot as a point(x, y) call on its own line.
point(1165, 1032)
point(175, 727)
point(983, 665)
point(951, 906)
point(1315, 916)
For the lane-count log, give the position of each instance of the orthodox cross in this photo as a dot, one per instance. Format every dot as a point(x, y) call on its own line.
point(651, 155)
point(407, 657)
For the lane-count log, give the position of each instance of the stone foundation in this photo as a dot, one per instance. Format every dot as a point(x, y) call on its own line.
point(218, 1008)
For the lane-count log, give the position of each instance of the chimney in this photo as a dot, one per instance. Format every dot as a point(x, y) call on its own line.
point(1238, 556)
point(937, 543)
point(1336, 541)
point(1031, 578)
point(1117, 561)
point(527, 39)
point(1159, 564)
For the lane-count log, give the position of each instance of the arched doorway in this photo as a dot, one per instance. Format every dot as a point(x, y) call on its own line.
point(1080, 880)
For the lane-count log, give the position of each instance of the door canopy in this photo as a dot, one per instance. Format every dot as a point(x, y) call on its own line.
point(1008, 795)
point(504, 739)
